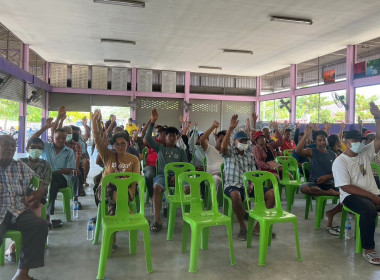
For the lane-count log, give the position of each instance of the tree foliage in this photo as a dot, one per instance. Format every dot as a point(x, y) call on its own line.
point(362, 106)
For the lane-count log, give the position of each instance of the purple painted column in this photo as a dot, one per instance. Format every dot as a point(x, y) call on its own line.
point(293, 86)
point(258, 93)
point(23, 107)
point(134, 86)
point(187, 93)
point(350, 92)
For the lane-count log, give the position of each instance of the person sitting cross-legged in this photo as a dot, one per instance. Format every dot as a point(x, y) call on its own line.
point(15, 214)
point(358, 191)
point(237, 161)
point(321, 180)
point(167, 153)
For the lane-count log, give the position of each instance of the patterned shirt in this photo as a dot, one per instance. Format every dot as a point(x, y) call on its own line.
point(235, 166)
point(75, 147)
point(43, 171)
point(14, 183)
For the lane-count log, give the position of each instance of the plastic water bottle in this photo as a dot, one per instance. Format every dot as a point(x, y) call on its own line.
point(348, 229)
point(165, 204)
point(90, 230)
point(75, 210)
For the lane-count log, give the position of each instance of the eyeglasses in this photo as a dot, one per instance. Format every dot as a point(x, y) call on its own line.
point(121, 145)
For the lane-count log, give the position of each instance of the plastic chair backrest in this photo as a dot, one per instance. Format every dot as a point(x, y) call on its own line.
point(222, 172)
point(194, 179)
point(306, 167)
point(35, 182)
point(288, 153)
point(123, 181)
point(289, 164)
point(259, 180)
point(376, 167)
point(177, 168)
point(205, 164)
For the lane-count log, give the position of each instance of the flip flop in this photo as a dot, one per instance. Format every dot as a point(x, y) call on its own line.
point(333, 230)
point(11, 257)
point(370, 257)
point(156, 227)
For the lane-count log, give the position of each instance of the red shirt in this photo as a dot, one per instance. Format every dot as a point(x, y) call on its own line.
point(151, 157)
point(288, 145)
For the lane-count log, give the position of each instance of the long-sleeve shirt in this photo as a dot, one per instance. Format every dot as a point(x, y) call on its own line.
point(165, 154)
point(260, 154)
point(196, 150)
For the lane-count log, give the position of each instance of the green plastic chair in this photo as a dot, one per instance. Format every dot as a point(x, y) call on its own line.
point(143, 164)
point(266, 217)
point(123, 220)
point(289, 165)
point(16, 235)
point(67, 195)
point(198, 219)
point(375, 167)
point(288, 153)
point(320, 201)
point(173, 194)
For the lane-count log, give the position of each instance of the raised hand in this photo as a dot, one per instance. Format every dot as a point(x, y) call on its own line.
point(195, 124)
point(154, 116)
point(215, 124)
point(308, 130)
point(275, 126)
point(49, 123)
point(181, 119)
point(286, 124)
point(360, 121)
point(342, 125)
point(62, 111)
point(84, 121)
point(113, 119)
point(254, 117)
point(375, 111)
point(298, 125)
point(234, 121)
point(96, 117)
point(314, 127)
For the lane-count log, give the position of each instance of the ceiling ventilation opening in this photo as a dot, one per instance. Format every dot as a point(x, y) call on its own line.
point(131, 3)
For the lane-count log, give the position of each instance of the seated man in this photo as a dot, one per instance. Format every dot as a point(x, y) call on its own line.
point(15, 198)
point(62, 161)
point(237, 161)
point(195, 149)
point(321, 180)
point(358, 191)
point(167, 153)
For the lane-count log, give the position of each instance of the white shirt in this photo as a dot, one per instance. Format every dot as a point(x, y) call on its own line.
point(214, 159)
point(347, 171)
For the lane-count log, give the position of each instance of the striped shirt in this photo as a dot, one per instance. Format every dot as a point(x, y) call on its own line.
point(14, 183)
point(235, 166)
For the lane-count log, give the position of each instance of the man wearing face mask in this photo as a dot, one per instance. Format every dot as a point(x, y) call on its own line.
point(237, 161)
point(42, 168)
point(358, 191)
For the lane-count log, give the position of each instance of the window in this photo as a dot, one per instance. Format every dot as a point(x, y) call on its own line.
point(267, 110)
point(363, 96)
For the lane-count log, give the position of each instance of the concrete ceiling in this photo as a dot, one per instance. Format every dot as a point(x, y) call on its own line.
point(181, 35)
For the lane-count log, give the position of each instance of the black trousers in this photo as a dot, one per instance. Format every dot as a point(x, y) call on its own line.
point(34, 232)
point(58, 181)
point(368, 213)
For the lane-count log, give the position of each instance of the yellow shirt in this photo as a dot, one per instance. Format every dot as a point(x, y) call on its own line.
point(343, 147)
point(131, 128)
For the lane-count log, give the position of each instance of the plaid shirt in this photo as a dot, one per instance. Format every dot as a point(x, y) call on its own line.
point(75, 147)
point(43, 171)
point(235, 166)
point(14, 183)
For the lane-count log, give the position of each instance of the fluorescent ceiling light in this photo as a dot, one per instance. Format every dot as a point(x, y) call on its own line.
point(117, 41)
point(291, 20)
point(132, 3)
point(237, 51)
point(210, 67)
point(117, 61)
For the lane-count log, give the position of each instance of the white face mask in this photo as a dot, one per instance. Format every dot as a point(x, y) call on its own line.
point(242, 147)
point(357, 147)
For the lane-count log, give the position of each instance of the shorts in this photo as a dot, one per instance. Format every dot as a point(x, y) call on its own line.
point(229, 190)
point(323, 187)
point(160, 180)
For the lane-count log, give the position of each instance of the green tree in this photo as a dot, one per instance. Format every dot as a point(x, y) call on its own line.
point(34, 114)
point(267, 110)
point(9, 109)
point(362, 106)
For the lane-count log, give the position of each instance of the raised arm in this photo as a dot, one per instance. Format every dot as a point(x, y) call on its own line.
point(193, 138)
point(375, 111)
point(278, 135)
point(145, 128)
point(286, 124)
point(360, 122)
point(47, 125)
point(206, 135)
point(342, 126)
point(153, 144)
point(97, 132)
point(300, 150)
point(254, 119)
point(297, 132)
point(226, 140)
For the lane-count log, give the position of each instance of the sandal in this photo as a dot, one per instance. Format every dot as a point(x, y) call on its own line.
point(11, 257)
point(156, 227)
point(370, 257)
point(242, 235)
point(257, 233)
point(333, 230)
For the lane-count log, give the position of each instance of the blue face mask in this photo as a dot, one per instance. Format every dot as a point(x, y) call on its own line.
point(357, 147)
point(35, 153)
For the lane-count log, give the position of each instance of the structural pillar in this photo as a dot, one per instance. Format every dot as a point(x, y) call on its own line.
point(134, 87)
point(45, 112)
point(350, 90)
point(258, 93)
point(186, 114)
point(23, 106)
point(293, 86)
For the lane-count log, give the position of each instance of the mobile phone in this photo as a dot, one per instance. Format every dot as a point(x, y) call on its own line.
point(29, 190)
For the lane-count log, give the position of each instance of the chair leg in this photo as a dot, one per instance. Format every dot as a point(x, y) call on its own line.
point(342, 223)
point(358, 241)
point(289, 191)
point(250, 232)
point(318, 212)
point(132, 242)
point(230, 242)
point(263, 244)
point(270, 235)
point(66, 205)
point(104, 252)
point(98, 224)
point(295, 225)
point(185, 236)
point(147, 248)
point(194, 251)
point(171, 220)
point(2, 252)
point(204, 238)
point(308, 202)
point(19, 245)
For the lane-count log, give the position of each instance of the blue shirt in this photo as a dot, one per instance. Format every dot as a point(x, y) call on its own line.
point(65, 159)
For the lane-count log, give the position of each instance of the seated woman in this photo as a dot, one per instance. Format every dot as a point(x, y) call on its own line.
point(334, 144)
point(116, 161)
point(264, 153)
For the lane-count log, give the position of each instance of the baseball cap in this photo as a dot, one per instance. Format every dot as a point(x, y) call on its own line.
point(241, 135)
point(369, 132)
point(258, 133)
